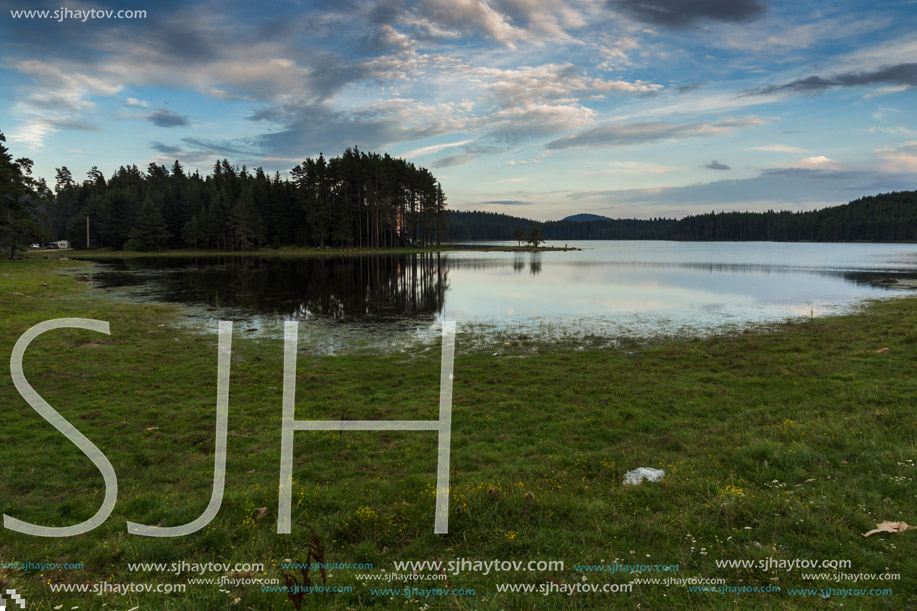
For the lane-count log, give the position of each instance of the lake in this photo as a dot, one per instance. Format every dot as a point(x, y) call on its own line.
point(607, 290)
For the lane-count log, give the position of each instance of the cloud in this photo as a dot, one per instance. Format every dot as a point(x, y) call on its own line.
point(554, 82)
point(537, 101)
point(777, 148)
point(83, 126)
point(624, 134)
point(312, 128)
point(471, 153)
point(716, 165)
point(54, 100)
point(515, 124)
point(217, 148)
point(901, 75)
point(165, 148)
point(508, 22)
point(299, 82)
point(201, 153)
point(886, 90)
point(472, 15)
point(687, 13)
point(215, 54)
point(817, 162)
point(511, 104)
point(452, 160)
point(163, 117)
point(501, 202)
point(631, 168)
point(811, 173)
point(549, 19)
point(686, 88)
point(435, 148)
point(792, 32)
point(901, 158)
point(31, 134)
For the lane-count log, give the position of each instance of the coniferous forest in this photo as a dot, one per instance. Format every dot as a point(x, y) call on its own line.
point(889, 217)
point(359, 199)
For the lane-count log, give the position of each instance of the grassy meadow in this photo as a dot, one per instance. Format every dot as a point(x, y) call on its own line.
point(780, 444)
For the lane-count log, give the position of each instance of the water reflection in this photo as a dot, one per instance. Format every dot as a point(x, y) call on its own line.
point(608, 289)
point(519, 258)
point(341, 288)
point(535, 263)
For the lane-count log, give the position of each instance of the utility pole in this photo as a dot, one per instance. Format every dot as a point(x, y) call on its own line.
point(87, 231)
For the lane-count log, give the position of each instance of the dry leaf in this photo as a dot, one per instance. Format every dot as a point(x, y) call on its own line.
point(262, 511)
point(882, 351)
point(889, 527)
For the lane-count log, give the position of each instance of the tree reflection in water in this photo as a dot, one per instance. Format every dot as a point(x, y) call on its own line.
point(338, 288)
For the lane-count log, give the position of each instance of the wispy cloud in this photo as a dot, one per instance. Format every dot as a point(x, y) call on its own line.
point(433, 148)
point(165, 148)
point(899, 158)
point(688, 13)
point(624, 134)
point(163, 117)
point(776, 148)
point(901, 75)
point(471, 152)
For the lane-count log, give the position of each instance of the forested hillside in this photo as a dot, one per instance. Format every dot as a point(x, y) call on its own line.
point(889, 217)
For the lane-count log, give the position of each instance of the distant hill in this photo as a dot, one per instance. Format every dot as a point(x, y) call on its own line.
point(467, 226)
point(888, 217)
point(585, 217)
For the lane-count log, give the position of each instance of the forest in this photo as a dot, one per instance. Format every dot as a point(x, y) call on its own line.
point(359, 199)
point(888, 217)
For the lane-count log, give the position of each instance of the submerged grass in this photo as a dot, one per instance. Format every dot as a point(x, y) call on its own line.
point(783, 445)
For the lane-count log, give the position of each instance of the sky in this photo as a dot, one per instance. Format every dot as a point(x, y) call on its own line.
point(535, 108)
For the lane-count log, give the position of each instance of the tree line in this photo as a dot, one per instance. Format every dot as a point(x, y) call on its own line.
point(24, 202)
point(359, 199)
point(887, 217)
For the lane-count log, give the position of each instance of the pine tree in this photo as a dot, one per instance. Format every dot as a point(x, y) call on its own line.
point(191, 233)
point(21, 206)
point(245, 223)
point(150, 231)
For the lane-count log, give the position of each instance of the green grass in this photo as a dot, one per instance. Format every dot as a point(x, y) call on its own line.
point(783, 444)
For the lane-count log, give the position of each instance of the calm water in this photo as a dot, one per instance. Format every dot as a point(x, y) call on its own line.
point(608, 289)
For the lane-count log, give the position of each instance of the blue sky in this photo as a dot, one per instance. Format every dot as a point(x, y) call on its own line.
point(536, 108)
